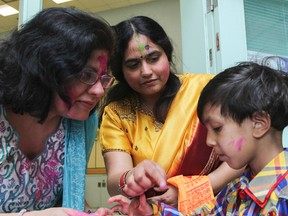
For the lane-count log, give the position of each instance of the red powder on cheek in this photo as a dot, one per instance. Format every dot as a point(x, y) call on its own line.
point(60, 104)
point(74, 91)
point(165, 69)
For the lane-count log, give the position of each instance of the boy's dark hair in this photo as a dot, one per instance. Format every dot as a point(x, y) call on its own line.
point(50, 50)
point(245, 89)
point(124, 31)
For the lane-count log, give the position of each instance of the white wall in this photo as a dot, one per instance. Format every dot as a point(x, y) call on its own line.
point(285, 137)
point(199, 34)
point(194, 36)
point(165, 12)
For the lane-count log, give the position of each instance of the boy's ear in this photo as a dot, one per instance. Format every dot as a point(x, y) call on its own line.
point(261, 124)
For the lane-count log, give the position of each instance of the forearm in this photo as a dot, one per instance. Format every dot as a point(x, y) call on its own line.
point(49, 212)
point(224, 174)
point(160, 208)
point(27, 213)
point(116, 164)
point(113, 184)
point(9, 214)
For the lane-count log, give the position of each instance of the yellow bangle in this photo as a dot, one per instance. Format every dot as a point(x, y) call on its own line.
point(154, 207)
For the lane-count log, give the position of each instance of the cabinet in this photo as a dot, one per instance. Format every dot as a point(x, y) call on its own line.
point(96, 160)
point(96, 193)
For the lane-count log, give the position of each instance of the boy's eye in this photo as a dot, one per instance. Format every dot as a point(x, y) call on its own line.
point(217, 129)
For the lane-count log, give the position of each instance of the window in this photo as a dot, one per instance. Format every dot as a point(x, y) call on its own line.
point(266, 28)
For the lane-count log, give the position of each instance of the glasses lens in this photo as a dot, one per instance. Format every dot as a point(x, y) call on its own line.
point(88, 77)
point(106, 81)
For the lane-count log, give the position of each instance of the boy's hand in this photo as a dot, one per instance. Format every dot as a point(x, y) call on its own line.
point(139, 206)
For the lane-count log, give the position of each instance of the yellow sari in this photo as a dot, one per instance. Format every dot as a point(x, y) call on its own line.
point(179, 145)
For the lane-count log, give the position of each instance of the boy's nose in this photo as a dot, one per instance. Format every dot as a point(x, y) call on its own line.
point(210, 141)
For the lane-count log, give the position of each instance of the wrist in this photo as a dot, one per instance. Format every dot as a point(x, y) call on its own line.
point(22, 212)
point(154, 206)
point(122, 181)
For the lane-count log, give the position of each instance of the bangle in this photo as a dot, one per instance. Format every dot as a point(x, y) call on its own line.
point(154, 207)
point(22, 212)
point(122, 181)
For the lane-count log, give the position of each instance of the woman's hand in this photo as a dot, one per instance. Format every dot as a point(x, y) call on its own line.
point(144, 176)
point(140, 206)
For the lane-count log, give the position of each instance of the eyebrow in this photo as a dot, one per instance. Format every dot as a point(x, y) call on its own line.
point(131, 60)
point(206, 121)
point(145, 56)
point(90, 67)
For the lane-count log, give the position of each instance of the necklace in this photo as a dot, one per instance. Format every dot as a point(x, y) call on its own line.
point(147, 108)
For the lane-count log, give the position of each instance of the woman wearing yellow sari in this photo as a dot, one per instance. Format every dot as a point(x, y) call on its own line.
point(149, 118)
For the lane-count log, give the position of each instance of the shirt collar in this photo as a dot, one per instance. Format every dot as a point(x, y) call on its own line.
point(269, 179)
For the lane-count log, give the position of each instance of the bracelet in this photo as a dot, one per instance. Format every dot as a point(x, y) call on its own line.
point(22, 212)
point(122, 181)
point(154, 207)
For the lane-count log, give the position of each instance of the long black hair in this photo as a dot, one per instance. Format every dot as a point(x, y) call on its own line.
point(124, 31)
point(45, 54)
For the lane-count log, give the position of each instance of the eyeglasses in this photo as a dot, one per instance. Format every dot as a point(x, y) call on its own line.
point(89, 76)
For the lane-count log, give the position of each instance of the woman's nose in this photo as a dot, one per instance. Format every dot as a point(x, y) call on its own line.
point(145, 68)
point(97, 89)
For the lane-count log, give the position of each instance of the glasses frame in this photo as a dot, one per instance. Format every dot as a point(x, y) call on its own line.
point(106, 80)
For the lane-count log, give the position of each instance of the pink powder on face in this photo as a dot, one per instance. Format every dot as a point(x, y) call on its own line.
point(239, 143)
point(166, 68)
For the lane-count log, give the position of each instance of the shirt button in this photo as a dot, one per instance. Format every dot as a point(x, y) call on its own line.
point(242, 194)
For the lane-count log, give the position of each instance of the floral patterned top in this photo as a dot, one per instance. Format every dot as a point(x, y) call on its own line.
point(30, 184)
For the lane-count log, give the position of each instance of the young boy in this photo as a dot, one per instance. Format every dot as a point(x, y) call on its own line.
point(245, 109)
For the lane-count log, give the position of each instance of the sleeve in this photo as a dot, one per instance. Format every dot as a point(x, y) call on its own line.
point(112, 134)
point(166, 210)
point(162, 209)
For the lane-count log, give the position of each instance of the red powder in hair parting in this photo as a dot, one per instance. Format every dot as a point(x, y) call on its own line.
point(103, 64)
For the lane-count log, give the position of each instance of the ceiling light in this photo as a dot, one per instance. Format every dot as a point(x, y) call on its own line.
point(6, 10)
point(61, 1)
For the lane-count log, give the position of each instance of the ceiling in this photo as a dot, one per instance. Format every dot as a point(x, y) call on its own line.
point(10, 22)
